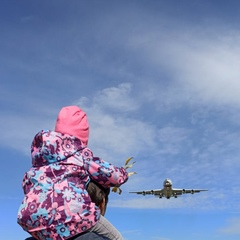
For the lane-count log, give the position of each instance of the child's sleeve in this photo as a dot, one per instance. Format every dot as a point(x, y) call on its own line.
point(106, 174)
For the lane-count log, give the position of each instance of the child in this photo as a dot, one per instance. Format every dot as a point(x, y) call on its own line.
point(56, 204)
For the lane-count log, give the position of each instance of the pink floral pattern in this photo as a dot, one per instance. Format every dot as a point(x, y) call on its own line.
point(56, 204)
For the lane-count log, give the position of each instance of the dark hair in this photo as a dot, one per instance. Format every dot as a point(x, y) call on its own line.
point(97, 193)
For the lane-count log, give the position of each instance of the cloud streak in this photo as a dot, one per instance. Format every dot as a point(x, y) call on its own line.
point(232, 227)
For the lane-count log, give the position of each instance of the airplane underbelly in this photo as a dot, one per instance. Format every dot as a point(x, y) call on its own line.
point(168, 193)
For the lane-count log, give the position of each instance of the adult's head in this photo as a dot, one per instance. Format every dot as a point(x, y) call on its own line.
point(72, 120)
point(98, 195)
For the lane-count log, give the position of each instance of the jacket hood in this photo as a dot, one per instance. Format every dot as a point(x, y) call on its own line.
point(73, 120)
point(45, 148)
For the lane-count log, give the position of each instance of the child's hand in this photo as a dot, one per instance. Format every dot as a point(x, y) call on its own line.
point(126, 166)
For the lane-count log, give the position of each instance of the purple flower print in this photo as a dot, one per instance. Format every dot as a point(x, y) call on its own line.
point(68, 194)
point(33, 206)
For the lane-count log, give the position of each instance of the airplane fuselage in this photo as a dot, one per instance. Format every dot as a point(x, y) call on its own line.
point(167, 188)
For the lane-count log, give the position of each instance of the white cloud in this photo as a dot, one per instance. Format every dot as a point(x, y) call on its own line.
point(118, 99)
point(114, 131)
point(211, 72)
point(172, 138)
point(232, 227)
point(18, 130)
point(172, 134)
point(192, 202)
point(199, 68)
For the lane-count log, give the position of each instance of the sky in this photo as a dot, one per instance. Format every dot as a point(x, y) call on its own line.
point(159, 81)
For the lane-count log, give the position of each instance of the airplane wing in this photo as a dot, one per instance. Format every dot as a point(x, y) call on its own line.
point(156, 192)
point(183, 191)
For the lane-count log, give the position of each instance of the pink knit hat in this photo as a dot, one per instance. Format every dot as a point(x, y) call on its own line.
point(73, 121)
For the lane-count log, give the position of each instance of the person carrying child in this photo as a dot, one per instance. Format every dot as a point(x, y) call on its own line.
point(56, 204)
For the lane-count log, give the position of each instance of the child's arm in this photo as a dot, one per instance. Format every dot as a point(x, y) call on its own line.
point(103, 172)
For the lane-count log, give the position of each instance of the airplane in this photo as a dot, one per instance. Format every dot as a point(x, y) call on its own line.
point(168, 192)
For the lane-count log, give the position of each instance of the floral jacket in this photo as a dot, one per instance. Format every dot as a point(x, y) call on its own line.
point(56, 204)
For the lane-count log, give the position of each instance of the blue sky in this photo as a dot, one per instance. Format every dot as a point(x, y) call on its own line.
point(159, 80)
